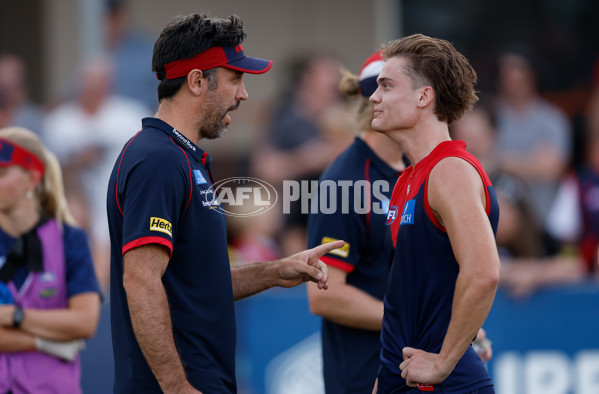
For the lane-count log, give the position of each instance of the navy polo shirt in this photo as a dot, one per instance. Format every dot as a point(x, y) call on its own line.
point(350, 355)
point(160, 193)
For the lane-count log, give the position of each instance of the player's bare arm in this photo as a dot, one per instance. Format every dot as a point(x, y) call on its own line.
point(150, 316)
point(457, 196)
point(288, 272)
point(346, 304)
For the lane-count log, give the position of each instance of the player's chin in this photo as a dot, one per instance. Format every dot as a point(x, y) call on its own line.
point(377, 124)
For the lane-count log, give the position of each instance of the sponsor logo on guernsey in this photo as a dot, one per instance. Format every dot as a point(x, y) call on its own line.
point(407, 216)
point(200, 180)
point(341, 252)
point(162, 225)
point(392, 214)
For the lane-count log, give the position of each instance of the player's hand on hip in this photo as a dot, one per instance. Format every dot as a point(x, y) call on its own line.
point(422, 367)
point(306, 266)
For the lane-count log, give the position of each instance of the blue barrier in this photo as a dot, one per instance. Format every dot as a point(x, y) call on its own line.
point(547, 344)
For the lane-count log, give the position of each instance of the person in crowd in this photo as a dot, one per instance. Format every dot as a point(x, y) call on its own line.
point(49, 295)
point(15, 107)
point(574, 217)
point(131, 52)
point(172, 287)
point(533, 136)
point(297, 147)
point(528, 263)
point(444, 274)
point(87, 134)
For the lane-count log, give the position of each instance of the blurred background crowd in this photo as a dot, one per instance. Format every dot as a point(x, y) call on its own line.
point(78, 73)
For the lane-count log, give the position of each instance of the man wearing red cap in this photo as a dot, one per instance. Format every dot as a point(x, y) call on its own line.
point(172, 288)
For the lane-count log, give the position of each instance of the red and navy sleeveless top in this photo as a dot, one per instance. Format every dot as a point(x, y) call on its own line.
point(421, 284)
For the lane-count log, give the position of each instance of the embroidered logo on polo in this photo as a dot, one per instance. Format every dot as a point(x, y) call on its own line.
point(184, 140)
point(341, 252)
point(392, 214)
point(407, 216)
point(48, 277)
point(199, 178)
point(162, 225)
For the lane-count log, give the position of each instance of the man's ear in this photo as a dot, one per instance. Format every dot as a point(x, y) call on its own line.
point(427, 96)
point(196, 82)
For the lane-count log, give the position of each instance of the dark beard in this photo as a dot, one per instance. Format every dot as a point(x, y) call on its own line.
point(213, 131)
point(213, 127)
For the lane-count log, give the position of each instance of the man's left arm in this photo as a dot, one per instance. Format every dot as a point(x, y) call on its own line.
point(457, 196)
point(288, 272)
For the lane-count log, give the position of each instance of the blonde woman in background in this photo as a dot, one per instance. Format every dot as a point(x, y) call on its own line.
point(49, 293)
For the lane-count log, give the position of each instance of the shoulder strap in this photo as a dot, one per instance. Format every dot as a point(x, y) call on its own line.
point(26, 251)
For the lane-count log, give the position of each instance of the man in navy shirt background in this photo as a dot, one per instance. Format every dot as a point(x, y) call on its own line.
point(172, 288)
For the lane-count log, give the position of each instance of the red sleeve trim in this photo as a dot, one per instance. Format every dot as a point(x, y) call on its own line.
point(484, 179)
point(146, 241)
point(342, 265)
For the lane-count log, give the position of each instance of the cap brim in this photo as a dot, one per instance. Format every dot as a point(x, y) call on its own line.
point(251, 65)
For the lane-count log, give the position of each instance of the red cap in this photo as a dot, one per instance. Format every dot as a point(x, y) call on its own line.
point(370, 72)
point(228, 57)
point(12, 154)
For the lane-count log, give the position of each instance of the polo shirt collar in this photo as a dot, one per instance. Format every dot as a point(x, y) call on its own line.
point(382, 166)
point(179, 138)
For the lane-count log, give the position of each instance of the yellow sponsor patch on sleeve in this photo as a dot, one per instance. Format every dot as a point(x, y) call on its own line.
point(159, 224)
point(341, 252)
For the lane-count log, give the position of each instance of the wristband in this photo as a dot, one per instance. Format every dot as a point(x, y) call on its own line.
point(17, 317)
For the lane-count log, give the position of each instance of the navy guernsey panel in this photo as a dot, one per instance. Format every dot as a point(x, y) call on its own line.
point(422, 278)
point(160, 192)
point(363, 180)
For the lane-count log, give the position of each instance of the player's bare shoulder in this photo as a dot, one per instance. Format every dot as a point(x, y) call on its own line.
point(454, 182)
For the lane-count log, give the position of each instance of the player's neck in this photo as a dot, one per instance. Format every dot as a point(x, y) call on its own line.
point(420, 141)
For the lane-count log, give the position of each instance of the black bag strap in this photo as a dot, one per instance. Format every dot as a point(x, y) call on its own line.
point(26, 251)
